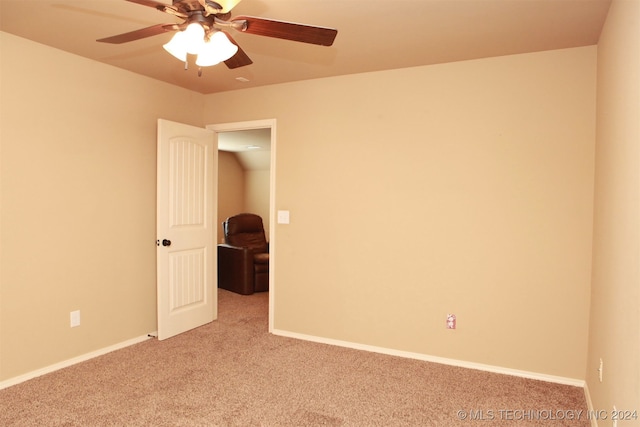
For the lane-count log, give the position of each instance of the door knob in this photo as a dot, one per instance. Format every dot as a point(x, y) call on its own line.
point(166, 242)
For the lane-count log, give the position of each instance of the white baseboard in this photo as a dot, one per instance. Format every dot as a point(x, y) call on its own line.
point(427, 358)
point(66, 363)
point(410, 355)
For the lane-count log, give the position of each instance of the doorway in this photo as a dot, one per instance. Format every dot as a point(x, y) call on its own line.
point(253, 145)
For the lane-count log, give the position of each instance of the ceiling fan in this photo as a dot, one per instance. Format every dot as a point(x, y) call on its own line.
point(203, 31)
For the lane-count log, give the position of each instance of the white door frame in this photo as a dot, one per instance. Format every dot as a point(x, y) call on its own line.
point(262, 124)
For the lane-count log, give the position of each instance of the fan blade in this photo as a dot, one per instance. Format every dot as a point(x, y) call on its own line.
point(154, 30)
point(285, 30)
point(162, 7)
point(240, 59)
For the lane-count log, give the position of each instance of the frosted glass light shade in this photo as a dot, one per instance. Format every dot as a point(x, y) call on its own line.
point(191, 40)
point(194, 38)
point(177, 46)
point(216, 50)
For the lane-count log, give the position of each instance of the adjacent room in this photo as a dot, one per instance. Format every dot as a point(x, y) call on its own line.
point(471, 158)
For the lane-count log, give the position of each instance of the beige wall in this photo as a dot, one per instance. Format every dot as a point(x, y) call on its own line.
point(614, 333)
point(461, 188)
point(257, 195)
point(78, 188)
point(231, 188)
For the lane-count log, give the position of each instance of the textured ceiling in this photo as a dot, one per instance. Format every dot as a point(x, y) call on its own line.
point(372, 35)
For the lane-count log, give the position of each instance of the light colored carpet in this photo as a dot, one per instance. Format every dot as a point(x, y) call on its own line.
point(233, 373)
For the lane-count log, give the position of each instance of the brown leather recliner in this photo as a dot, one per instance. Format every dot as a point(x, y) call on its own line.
point(243, 260)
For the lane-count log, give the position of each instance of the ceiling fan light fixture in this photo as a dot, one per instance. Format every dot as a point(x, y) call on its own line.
point(217, 49)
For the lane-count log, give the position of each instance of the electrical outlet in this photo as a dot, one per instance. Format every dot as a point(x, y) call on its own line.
point(451, 321)
point(600, 370)
point(74, 318)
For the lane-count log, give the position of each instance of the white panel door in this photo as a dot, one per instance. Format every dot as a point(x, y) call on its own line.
point(186, 232)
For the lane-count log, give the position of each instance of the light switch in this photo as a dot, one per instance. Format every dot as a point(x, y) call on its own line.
point(283, 217)
point(74, 318)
